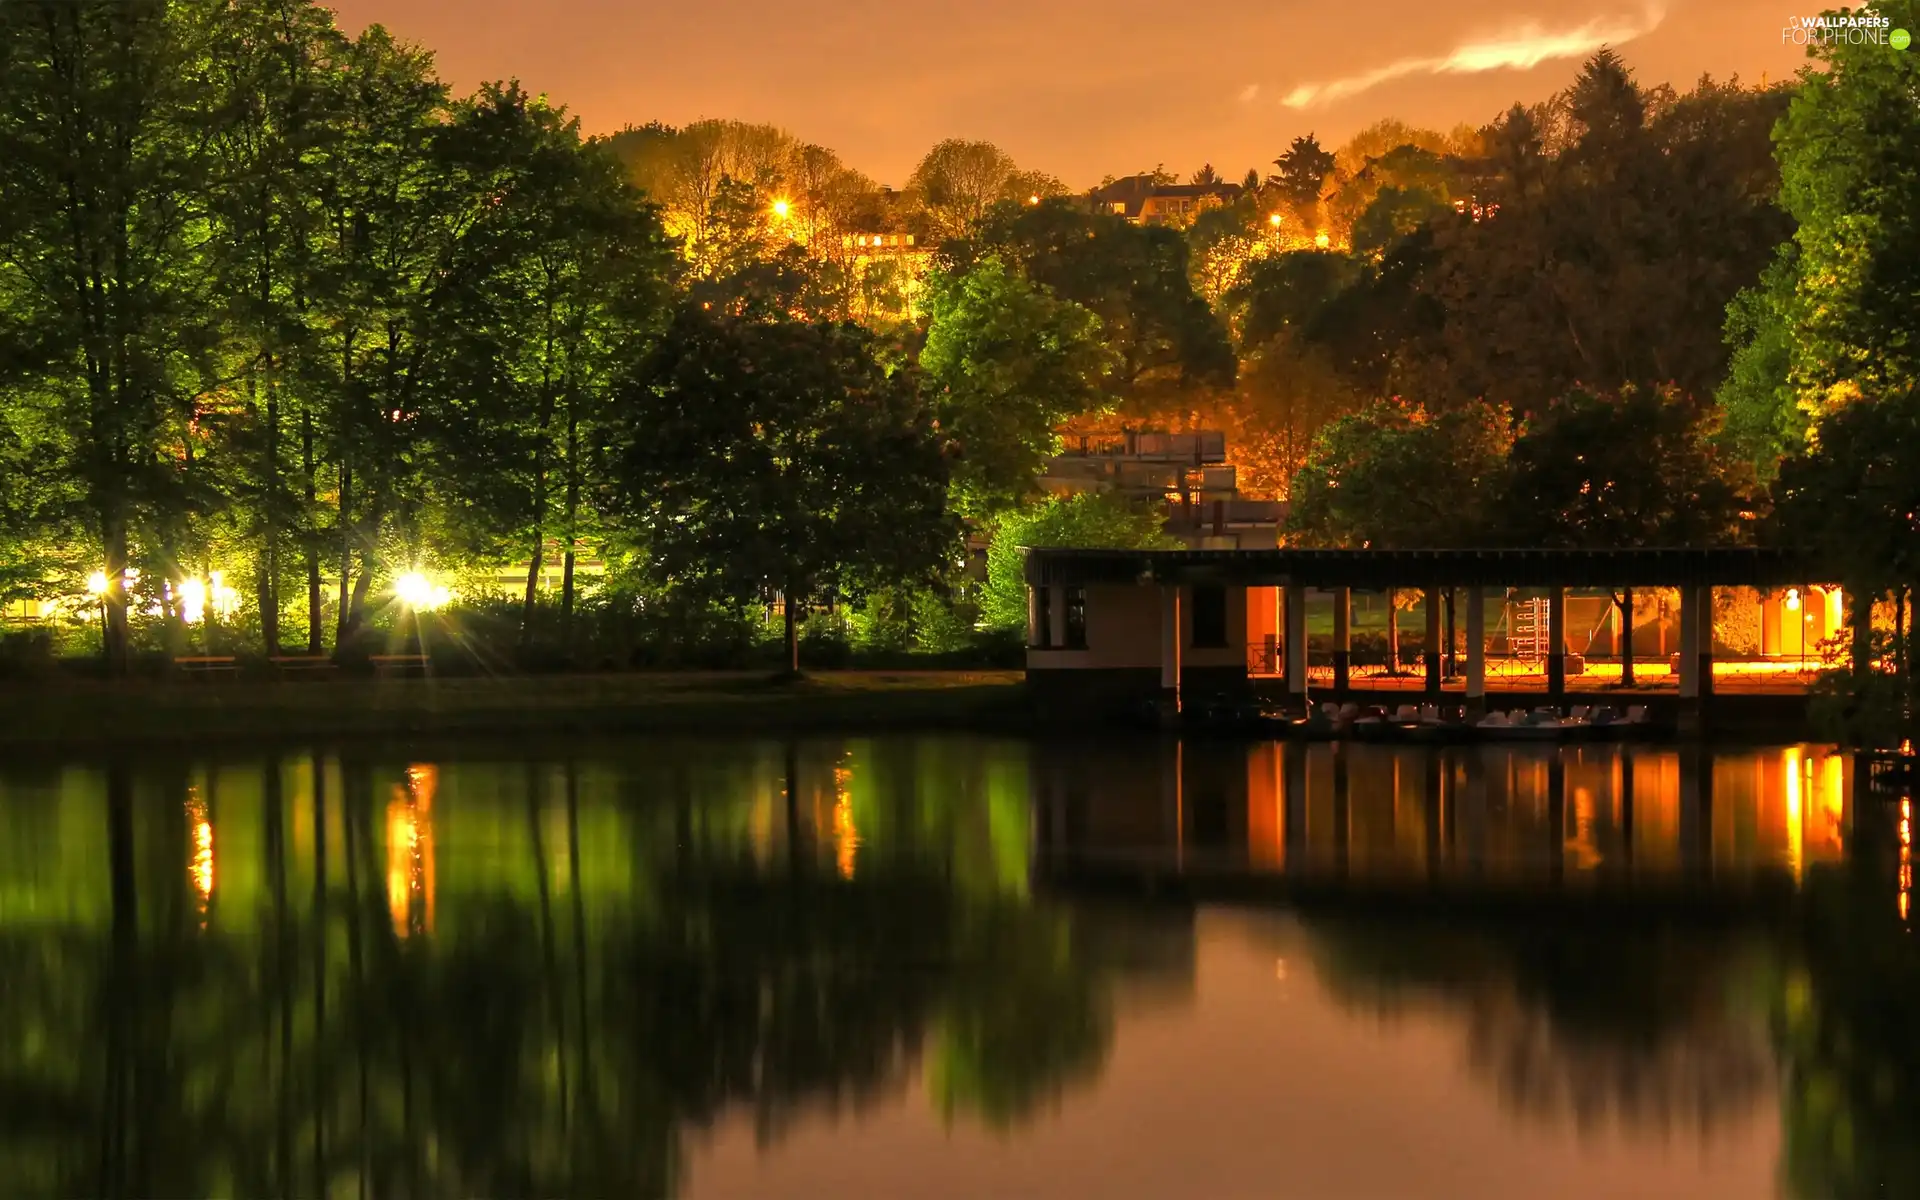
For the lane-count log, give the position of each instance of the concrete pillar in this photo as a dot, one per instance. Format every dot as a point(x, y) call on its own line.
point(1689, 643)
point(1057, 613)
point(1626, 637)
point(1296, 641)
point(1171, 638)
point(1703, 639)
point(1476, 652)
point(1342, 639)
point(1556, 642)
point(1430, 600)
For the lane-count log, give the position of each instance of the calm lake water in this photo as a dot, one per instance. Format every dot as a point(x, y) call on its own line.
point(956, 967)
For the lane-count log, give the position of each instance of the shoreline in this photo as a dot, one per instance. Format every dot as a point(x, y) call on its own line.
point(83, 716)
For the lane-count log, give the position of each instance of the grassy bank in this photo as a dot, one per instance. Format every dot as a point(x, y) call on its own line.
point(82, 715)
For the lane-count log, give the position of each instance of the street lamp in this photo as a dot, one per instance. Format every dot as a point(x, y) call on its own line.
point(1274, 220)
point(781, 208)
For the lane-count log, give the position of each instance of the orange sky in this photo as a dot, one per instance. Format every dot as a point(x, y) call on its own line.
point(1080, 88)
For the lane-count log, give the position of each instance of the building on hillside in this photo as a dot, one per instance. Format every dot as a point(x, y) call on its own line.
point(1142, 201)
point(1187, 475)
point(888, 269)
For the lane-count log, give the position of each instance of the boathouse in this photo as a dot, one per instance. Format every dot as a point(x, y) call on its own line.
point(1113, 629)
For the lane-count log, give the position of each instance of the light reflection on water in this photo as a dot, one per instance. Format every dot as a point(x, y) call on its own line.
point(955, 967)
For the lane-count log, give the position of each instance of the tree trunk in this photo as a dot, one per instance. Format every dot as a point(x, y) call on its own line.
point(789, 602)
point(341, 626)
point(1626, 637)
point(571, 527)
point(316, 632)
point(1393, 632)
point(267, 585)
point(1862, 629)
point(533, 586)
point(114, 538)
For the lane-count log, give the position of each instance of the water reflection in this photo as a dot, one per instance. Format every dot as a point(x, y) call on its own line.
point(664, 968)
point(1376, 816)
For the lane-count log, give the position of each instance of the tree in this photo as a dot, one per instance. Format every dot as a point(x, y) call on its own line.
point(1852, 497)
point(109, 319)
point(1613, 262)
point(1090, 519)
point(1288, 292)
point(792, 446)
point(1013, 364)
point(1396, 213)
point(1303, 174)
point(1397, 476)
point(1831, 321)
point(958, 181)
point(1637, 467)
point(1206, 176)
point(1134, 278)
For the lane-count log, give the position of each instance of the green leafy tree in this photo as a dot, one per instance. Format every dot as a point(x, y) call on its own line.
point(1832, 321)
point(1090, 519)
point(109, 325)
point(792, 447)
point(1397, 476)
point(1637, 467)
point(1013, 364)
point(1135, 278)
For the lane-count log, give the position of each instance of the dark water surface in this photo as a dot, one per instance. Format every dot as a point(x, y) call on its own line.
point(926, 967)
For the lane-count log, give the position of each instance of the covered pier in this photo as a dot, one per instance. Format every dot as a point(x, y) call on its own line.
point(1111, 627)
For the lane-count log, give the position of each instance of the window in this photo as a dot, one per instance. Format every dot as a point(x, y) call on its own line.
point(1209, 618)
point(1041, 635)
point(1076, 618)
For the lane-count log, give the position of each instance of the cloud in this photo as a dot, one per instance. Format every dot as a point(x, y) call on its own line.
point(1525, 45)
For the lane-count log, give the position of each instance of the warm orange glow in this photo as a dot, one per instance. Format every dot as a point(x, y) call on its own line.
point(846, 838)
point(1906, 858)
point(781, 208)
point(1322, 240)
point(1033, 199)
point(1798, 770)
point(410, 890)
point(201, 868)
point(1274, 220)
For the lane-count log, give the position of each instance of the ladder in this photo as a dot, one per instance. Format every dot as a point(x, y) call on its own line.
point(1530, 630)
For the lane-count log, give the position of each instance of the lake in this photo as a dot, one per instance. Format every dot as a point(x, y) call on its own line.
point(956, 967)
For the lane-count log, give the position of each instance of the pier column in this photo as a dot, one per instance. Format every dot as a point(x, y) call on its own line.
point(1625, 639)
point(1556, 642)
point(1296, 648)
point(1342, 639)
point(1476, 652)
point(1703, 638)
point(1430, 599)
point(1689, 644)
point(1170, 640)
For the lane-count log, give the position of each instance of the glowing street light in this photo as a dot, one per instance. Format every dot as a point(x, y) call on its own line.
point(1274, 220)
point(1033, 199)
point(419, 593)
point(1322, 240)
point(781, 208)
point(193, 601)
point(97, 584)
